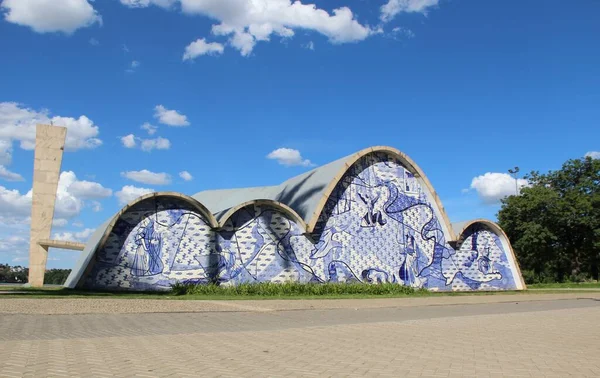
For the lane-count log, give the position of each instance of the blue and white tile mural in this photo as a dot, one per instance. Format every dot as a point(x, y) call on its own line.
point(378, 225)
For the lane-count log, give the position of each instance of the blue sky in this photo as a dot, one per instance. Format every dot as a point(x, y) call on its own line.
point(466, 88)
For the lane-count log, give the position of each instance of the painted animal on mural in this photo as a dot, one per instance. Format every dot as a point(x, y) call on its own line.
point(378, 225)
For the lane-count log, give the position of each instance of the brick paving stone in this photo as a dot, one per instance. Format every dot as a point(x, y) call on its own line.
point(529, 339)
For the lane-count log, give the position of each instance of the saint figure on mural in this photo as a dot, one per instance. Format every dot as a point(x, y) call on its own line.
point(483, 260)
point(409, 272)
point(146, 261)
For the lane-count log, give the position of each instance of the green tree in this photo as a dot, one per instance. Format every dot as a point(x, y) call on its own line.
point(56, 276)
point(13, 274)
point(554, 224)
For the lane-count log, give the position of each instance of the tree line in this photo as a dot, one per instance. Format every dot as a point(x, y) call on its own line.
point(554, 224)
point(19, 275)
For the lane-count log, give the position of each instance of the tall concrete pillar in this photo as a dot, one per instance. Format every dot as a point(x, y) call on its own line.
point(49, 147)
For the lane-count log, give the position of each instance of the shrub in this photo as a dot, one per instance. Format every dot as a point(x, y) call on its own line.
point(271, 289)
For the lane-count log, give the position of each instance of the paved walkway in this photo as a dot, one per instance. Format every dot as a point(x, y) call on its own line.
point(476, 336)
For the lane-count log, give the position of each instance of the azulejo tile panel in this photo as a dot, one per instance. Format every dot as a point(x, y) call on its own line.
point(378, 225)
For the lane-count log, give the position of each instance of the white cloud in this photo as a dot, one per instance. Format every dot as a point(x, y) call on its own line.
point(78, 236)
point(16, 245)
point(96, 206)
point(131, 141)
point(133, 66)
point(18, 123)
point(247, 22)
point(71, 195)
point(59, 222)
point(146, 177)
point(151, 129)
point(289, 157)
point(146, 3)
point(89, 189)
point(6, 244)
point(129, 192)
point(170, 117)
point(201, 47)
point(244, 42)
point(5, 151)
point(395, 7)
point(310, 46)
point(593, 154)
point(94, 42)
point(128, 141)
point(492, 186)
point(47, 16)
point(400, 32)
point(13, 204)
point(158, 143)
point(186, 175)
point(8, 175)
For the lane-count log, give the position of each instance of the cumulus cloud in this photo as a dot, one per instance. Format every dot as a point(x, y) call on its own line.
point(129, 192)
point(492, 186)
point(150, 129)
point(17, 124)
point(289, 157)
point(247, 22)
point(394, 7)
point(169, 117)
point(96, 206)
point(593, 154)
point(201, 47)
point(15, 245)
point(128, 141)
point(5, 151)
point(186, 175)
point(157, 143)
point(146, 3)
point(59, 222)
point(47, 16)
point(147, 177)
point(131, 141)
point(71, 195)
point(88, 189)
point(7, 175)
point(11, 242)
point(78, 236)
point(14, 205)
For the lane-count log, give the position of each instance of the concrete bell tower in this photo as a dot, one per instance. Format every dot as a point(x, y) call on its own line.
point(49, 148)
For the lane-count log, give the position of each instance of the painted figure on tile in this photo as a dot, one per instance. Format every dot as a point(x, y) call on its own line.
point(147, 257)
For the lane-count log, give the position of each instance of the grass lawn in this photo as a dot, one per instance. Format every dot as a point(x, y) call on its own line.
point(566, 285)
point(278, 291)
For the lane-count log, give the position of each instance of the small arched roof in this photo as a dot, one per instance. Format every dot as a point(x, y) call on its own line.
point(99, 237)
point(285, 209)
point(460, 230)
point(307, 193)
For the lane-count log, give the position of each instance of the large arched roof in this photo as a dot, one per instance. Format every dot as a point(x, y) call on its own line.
point(307, 193)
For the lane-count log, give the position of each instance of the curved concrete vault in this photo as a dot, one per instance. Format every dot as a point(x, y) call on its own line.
point(370, 217)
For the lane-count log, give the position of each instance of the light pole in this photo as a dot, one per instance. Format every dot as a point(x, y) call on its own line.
point(514, 172)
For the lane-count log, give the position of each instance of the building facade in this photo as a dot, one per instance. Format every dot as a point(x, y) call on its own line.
point(370, 217)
